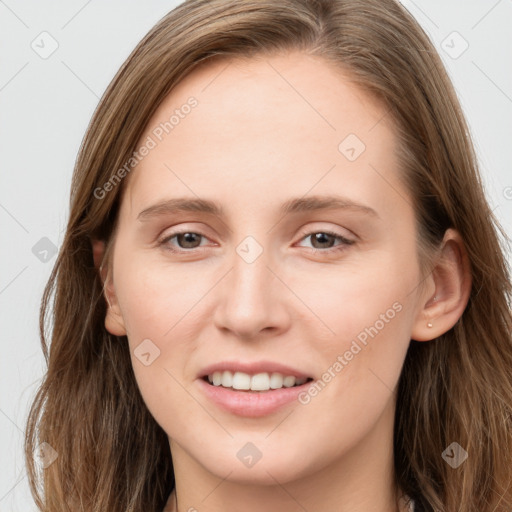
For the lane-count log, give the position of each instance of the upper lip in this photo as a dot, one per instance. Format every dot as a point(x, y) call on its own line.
point(251, 368)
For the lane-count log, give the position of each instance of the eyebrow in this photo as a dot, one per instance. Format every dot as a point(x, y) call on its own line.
point(296, 205)
point(311, 203)
point(180, 204)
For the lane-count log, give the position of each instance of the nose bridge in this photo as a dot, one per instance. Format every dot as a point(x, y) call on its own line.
point(250, 276)
point(250, 299)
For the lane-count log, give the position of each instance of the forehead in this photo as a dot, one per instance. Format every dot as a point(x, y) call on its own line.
point(265, 121)
point(281, 88)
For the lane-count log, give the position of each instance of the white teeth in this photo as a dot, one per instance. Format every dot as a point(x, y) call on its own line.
point(241, 381)
point(258, 382)
point(288, 382)
point(227, 379)
point(276, 381)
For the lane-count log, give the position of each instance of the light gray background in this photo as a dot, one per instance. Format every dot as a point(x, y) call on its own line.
point(46, 104)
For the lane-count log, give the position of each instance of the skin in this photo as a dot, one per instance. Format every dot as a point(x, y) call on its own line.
point(264, 132)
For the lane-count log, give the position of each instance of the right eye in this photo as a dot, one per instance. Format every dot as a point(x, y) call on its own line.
point(185, 240)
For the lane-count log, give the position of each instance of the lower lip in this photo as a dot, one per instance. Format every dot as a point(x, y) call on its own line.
point(252, 404)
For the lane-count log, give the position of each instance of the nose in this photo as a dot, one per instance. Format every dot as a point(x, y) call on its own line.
point(251, 301)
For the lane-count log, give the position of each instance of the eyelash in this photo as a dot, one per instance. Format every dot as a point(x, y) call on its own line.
point(341, 247)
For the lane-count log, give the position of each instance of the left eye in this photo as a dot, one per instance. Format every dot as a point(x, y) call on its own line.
point(325, 240)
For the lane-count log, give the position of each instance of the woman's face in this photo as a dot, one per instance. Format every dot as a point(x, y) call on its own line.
point(307, 267)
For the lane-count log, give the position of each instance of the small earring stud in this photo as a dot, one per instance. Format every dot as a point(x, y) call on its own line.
point(429, 324)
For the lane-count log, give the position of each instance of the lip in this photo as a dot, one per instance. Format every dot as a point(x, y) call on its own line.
point(252, 368)
point(251, 404)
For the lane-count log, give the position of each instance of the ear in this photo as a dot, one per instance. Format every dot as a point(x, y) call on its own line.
point(449, 289)
point(114, 322)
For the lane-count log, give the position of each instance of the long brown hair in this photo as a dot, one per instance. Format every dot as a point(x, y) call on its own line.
point(111, 454)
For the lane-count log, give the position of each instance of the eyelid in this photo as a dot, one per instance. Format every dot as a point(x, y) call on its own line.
point(349, 236)
point(183, 227)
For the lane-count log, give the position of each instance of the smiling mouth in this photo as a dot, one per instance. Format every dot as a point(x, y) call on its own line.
point(258, 383)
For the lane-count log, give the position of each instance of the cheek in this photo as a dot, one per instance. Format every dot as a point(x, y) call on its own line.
point(360, 364)
point(156, 299)
point(365, 316)
point(348, 300)
point(156, 309)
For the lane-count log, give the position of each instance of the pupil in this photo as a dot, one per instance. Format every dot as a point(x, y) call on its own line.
point(187, 239)
point(321, 238)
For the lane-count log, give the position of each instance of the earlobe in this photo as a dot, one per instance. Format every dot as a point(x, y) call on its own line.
point(452, 286)
point(114, 322)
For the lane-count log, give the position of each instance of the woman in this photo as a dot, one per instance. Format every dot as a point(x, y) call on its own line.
point(281, 286)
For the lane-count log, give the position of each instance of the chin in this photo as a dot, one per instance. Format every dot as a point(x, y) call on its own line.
point(266, 471)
